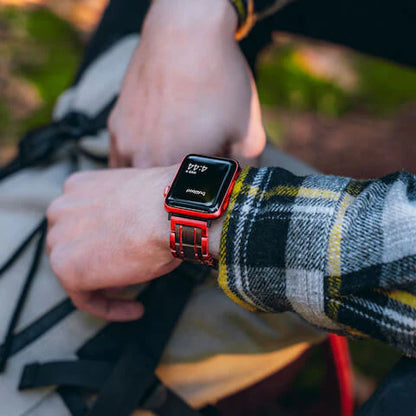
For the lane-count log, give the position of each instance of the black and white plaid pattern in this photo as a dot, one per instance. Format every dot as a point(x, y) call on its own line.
point(339, 252)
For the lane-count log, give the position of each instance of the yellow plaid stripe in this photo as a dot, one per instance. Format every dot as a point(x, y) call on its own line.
point(300, 192)
point(222, 269)
point(334, 256)
point(402, 296)
point(353, 189)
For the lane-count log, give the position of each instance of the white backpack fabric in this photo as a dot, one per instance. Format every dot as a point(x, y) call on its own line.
point(217, 348)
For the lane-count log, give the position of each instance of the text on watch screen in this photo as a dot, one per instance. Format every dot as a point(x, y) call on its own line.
point(200, 181)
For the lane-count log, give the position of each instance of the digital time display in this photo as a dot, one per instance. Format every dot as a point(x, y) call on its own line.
point(201, 183)
point(194, 168)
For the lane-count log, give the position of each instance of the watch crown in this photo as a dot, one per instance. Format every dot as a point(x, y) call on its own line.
point(166, 191)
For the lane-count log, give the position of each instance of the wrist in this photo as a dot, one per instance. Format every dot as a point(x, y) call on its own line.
point(162, 228)
point(161, 223)
point(215, 237)
point(196, 202)
point(205, 16)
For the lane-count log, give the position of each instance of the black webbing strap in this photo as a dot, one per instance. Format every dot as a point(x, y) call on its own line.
point(21, 248)
point(164, 402)
point(86, 374)
point(121, 359)
point(73, 401)
point(4, 355)
point(127, 384)
point(164, 296)
point(164, 302)
point(92, 375)
point(39, 145)
point(41, 325)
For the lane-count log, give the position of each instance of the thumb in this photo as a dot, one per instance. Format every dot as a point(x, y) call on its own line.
point(248, 149)
point(116, 159)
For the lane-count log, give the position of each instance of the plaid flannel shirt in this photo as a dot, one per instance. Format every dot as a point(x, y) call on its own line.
point(339, 252)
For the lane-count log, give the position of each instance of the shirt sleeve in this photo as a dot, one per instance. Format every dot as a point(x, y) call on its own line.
point(339, 252)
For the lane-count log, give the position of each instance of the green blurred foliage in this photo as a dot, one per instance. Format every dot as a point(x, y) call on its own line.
point(4, 115)
point(60, 48)
point(382, 86)
point(282, 83)
point(43, 50)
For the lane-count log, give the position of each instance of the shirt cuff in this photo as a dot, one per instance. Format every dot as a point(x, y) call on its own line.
point(339, 252)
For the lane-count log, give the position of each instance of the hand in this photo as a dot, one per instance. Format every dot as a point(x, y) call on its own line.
point(188, 89)
point(108, 230)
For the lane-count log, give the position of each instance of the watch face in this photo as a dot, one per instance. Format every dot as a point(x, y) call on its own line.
point(201, 183)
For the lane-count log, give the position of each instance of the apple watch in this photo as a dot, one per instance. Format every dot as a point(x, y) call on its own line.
point(199, 194)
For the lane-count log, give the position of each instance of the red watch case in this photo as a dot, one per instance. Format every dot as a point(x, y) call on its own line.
point(189, 230)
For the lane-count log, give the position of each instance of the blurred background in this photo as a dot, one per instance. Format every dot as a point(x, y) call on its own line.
point(342, 112)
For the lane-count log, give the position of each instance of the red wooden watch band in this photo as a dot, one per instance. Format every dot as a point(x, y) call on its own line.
point(189, 240)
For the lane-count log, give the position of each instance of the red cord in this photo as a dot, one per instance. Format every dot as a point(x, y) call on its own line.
point(343, 368)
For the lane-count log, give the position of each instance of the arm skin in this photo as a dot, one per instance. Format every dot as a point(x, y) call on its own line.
point(188, 89)
point(109, 230)
point(339, 252)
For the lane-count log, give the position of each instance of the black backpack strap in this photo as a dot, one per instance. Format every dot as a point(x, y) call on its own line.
point(82, 373)
point(41, 144)
point(4, 355)
point(121, 359)
point(164, 402)
point(73, 401)
point(92, 375)
point(164, 303)
point(39, 327)
point(21, 248)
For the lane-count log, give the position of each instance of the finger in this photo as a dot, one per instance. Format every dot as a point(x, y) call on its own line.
point(113, 159)
point(64, 231)
point(56, 233)
point(117, 310)
point(115, 290)
point(248, 151)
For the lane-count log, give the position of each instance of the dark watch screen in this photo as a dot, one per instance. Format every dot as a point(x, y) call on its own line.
point(201, 183)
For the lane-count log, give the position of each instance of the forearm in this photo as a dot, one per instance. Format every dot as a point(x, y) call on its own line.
point(339, 252)
point(236, 17)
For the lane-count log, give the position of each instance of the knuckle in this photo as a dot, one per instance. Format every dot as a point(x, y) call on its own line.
point(71, 182)
point(121, 140)
point(51, 240)
point(56, 260)
point(112, 122)
point(73, 280)
point(50, 212)
point(53, 209)
point(78, 303)
point(63, 267)
point(75, 180)
point(121, 147)
point(55, 263)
